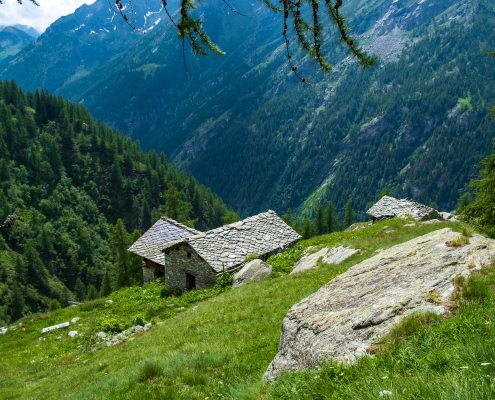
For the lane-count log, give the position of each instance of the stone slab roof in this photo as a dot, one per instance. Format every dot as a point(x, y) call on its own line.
point(229, 245)
point(389, 207)
point(165, 230)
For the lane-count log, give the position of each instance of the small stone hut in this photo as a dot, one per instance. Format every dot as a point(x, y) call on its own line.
point(150, 245)
point(195, 260)
point(389, 207)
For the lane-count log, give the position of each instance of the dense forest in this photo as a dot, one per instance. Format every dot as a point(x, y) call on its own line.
point(80, 188)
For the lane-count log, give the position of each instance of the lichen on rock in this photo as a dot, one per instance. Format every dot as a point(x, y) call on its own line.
point(356, 309)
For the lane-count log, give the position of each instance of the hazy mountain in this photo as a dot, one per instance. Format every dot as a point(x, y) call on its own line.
point(12, 40)
point(246, 127)
point(26, 29)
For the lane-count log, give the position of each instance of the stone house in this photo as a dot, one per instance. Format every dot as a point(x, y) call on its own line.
point(389, 207)
point(150, 245)
point(194, 260)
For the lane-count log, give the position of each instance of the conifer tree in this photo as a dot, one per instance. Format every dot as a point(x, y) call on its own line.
point(105, 289)
point(349, 215)
point(18, 303)
point(176, 208)
point(287, 217)
point(330, 218)
point(79, 290)
point(319, 220)
point(92, 293)
point(136, 263)
point(481, 211)
point(120, 242)
point(307, 229)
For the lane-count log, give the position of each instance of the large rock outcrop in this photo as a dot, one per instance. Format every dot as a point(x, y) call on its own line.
point(354, 310)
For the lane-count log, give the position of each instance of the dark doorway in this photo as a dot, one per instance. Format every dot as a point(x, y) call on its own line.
point(190, 281)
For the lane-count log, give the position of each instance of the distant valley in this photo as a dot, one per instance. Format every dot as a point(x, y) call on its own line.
point(243, 125)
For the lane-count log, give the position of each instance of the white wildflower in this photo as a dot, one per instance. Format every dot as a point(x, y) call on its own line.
point(385, 393)
point(464, 367)
point(485, 363)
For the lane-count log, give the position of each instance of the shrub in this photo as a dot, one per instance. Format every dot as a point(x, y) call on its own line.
point(170, 292)
point(112, 325)
point(54, 305)
point(251, 257)
point(223, 281)
point(139, 321)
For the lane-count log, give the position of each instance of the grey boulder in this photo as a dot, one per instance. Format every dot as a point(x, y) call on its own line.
point(255, 270)
point(356, 309)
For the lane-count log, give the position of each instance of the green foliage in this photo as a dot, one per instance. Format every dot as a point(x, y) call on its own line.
point(150, 370)
point(230, 217)
point(251, 257)
point(92, 293)
point(106, 289)
point(54, 305)
point(112, 325)
point(320, 220)
point(349, 215)
point(481, 211)
point(463, 202)
point(223, 281)
point(170, 292)
point(209, 336)
point(385, 192)
point(72, 179)
point(80, 290)
point(283, 263)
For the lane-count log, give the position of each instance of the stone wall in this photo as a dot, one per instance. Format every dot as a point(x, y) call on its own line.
point(183, 259)
point(151, 271)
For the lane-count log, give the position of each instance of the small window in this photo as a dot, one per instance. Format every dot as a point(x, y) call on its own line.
point(190, 281)
point(188, 255)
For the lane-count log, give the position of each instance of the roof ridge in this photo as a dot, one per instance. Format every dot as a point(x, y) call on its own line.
point(176, 223)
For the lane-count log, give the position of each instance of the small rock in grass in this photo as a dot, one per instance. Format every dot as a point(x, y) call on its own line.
point(147, 326)
point(101, 335)
point(72, 333)
point(408, 225)
point(3, 330)
point(74, 320)
point(431, 221)
point(137, 328)
point(109, 301)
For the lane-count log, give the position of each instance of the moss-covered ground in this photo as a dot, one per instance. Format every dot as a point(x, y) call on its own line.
point(213, 344)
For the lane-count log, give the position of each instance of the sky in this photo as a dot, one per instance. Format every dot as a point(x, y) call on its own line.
point(11, 12)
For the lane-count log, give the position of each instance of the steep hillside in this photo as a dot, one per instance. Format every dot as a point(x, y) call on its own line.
point(217, 344)
point(245, 126)
point(71, 179)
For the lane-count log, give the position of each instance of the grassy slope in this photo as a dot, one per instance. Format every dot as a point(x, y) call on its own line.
point(217, 348)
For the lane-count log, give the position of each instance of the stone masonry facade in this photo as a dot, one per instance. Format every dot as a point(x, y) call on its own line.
point(181, 260)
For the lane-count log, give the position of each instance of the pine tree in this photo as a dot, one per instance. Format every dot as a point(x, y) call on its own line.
point(349, 215)
point(287, 217)
point(65, 297)
point(319, 220)
point(120, 242)
point(463, 202)
point(18, 303)
point(481, 211)
point(79, 290)
point(136, 263)
point(307, 229)
point(92, 293)
point(105, 289)
point(176, 208)
point(330, 218)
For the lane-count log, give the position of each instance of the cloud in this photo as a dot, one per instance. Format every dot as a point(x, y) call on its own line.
point(11, 12)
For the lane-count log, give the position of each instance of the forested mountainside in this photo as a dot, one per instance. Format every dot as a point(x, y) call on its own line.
point(245, 126)
point(71, 179)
